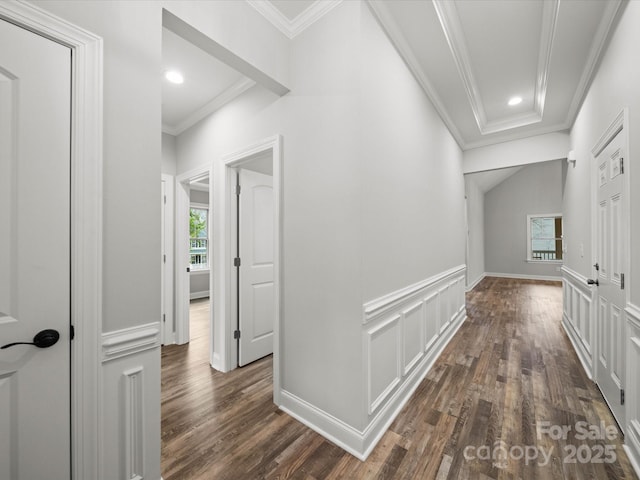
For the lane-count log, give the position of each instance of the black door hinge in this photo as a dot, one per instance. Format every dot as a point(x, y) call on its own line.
point(72, 332)
point(622, 165)
point(236, 334)
point(622, 396)
point(236, 262)
point(238, 188)
point(622, 281)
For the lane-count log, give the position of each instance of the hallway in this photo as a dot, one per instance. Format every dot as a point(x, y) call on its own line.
point(508, 371)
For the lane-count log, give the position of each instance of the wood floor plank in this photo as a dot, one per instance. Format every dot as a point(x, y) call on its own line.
point(509, 368)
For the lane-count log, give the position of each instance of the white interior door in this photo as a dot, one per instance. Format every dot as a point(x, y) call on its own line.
point(610, 257)
point(256, 248)
point(35, 103)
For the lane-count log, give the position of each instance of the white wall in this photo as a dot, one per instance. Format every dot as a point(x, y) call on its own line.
point(614, 87)
point(475, 236)
point(541, 148)
point(131, 31)
point(533, 190)
point(363, 217)
point(169, 154)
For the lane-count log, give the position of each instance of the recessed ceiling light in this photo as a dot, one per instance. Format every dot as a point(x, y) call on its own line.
point(174, 76)
point(515, 101)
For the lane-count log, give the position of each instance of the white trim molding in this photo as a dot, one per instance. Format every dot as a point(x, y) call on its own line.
point(578, 316)
point(379, 306)
point(450, 22)
point(632, 392)
point(86, 223)
point(306, 18)
point(224, 351)
point(475, 282)
point(403, 334)
point(218, 102)
point(522, 276)
point(130, 341)
point(451, 26)
point(134, 419)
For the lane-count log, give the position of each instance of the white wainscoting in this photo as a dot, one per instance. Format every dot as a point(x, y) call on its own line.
point(130, 425)
point(632, 387)
point(578, 316)
point(422, 318)
point(403, 334)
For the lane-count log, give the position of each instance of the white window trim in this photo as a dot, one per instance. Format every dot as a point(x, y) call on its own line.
point(203, 206)
point(529, 249)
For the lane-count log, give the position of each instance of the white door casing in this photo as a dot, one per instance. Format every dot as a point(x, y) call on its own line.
point(611, 258)
point(256, 242)
point(167, 324)
point(35, 259)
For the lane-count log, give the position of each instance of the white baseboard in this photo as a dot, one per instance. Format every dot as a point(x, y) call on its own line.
point(553, 278)
point(475, 283)
point(388, 413)
point(196, 295)
point(361, 443)
point(409, 328)
point(330, 427)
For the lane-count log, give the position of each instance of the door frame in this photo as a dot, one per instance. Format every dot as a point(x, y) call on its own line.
point(224, 176)
point(167, 264)
point(182, 297)
point(619, 124)
point(86, 224)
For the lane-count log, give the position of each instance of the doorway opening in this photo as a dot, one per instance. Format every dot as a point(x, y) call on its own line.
point(193, 249)
point(263, 160)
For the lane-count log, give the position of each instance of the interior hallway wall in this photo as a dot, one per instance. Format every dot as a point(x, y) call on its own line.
point(362, 217)
point(475, 235)
point(536, 189)
point(614, 87)
point(132, 164)
point(169, 154)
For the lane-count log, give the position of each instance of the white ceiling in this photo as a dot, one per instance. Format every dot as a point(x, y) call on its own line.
point(208, 84)
point(470, 57)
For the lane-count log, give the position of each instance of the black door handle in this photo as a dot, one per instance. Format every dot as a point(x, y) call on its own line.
point(595, 282)
point(43, 339)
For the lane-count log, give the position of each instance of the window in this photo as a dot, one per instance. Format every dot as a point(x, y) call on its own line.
point(199, 238)
point(544, 237)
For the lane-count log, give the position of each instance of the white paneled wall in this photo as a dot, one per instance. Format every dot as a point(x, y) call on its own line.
point(130, 420)
point(403, 334)
point(632, 388)
point(578, 316)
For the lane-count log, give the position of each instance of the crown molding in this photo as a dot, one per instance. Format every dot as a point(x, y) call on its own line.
point(611, 14)
point(293, 28)
point(394, 33)
point(453, 32)
point(510, 136)
point(550, 12)
point(218, 102)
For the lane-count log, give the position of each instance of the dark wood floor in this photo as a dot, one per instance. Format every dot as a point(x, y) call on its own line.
point(509, 368)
